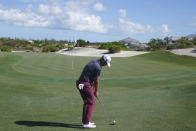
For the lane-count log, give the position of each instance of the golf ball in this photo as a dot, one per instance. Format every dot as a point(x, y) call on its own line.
point(114, 122)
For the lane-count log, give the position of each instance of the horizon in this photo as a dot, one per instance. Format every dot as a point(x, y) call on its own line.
point(88, 40)
point(96, 20)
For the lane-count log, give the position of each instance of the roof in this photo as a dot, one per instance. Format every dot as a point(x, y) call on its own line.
point(129, 40)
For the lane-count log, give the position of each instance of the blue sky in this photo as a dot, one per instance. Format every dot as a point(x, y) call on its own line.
point(97, 20)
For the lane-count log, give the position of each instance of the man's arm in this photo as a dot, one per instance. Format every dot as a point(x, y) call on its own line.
point(95, 86)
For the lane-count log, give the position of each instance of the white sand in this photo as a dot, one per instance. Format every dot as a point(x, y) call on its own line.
point(18, 51)
point(80, 51)
point(189, 52)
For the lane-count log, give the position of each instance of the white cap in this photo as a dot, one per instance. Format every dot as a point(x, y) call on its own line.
point(107, 59)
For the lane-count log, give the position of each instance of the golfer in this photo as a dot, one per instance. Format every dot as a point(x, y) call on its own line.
point(87, 84)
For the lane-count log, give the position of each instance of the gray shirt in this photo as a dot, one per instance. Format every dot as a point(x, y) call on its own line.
point(91, 71)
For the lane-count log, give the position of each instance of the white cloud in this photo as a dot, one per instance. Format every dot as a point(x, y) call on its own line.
point(164, 29)
point(44, 9)
point(29, 8)
point(1, 6)
point(72, 15)
point(122, 12)
point(17, 17)
point(127, 26)
point(80, 19)
point(84, 22)
point(50, 9)
point(99, 7)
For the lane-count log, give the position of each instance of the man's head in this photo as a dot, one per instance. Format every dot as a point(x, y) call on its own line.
point(105, 60)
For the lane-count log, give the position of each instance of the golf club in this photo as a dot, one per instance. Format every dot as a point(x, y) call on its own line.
point(106, 114)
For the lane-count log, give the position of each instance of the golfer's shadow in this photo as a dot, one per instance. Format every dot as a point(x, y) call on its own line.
point(43, 123)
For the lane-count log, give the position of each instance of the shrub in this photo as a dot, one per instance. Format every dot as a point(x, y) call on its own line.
point(141, 49)
point(183, 43)
point(70, 47)
point(114, 49)
point(113, 45)
point(60, 46)
point(81, 43)
point(171, 46)
point(50, 49)
point(6, 49)
point(105, 45)
point(156, 44)
point(28, 47)
point(35, 49)
point(194, 41)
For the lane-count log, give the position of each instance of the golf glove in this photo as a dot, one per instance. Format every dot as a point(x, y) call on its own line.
point(80, 86)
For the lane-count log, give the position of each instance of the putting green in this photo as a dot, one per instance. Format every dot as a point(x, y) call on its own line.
point(154, 91)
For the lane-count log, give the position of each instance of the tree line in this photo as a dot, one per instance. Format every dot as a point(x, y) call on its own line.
point(167, 44)
point(52, 45)
point(46, 45)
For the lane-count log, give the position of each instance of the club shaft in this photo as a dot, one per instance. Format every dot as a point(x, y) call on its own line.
point(106, 114)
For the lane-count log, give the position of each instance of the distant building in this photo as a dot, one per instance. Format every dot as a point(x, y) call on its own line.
point(191, 36)
point(132, 43)
point(31, 41)
point(172, 39)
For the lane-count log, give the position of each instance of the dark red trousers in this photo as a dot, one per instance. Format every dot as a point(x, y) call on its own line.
point(88, 97)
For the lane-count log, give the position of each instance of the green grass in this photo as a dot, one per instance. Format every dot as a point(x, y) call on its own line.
point(150, 92)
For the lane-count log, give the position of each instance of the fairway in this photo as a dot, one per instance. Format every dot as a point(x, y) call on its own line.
point(150, 92)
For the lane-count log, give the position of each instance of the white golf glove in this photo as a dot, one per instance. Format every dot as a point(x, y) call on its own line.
point(80, 86)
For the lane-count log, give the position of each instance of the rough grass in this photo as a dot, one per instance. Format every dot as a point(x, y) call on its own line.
point(150, 92)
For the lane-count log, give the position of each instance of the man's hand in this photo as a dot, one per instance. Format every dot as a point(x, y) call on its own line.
point(96, 93)
point(95, 87)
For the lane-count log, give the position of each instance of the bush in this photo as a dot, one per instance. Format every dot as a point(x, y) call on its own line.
point(28, 47)
point(35, 49)
point(50, 49)
point(105, 45)
point(183, 43)
point(113, 46)
point(180, 45)
point(114, 49)
point(141, 49)
point(156, 44)
point(70, 48)
point(171, 46)
point(81, 43)
point(6, 49)
point(194, 41)
point(60, 46)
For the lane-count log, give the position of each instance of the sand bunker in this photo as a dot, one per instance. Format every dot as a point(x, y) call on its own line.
point(189, 52)
point(81, 51)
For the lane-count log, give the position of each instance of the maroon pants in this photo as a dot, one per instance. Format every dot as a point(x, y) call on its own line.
point(88, 97)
